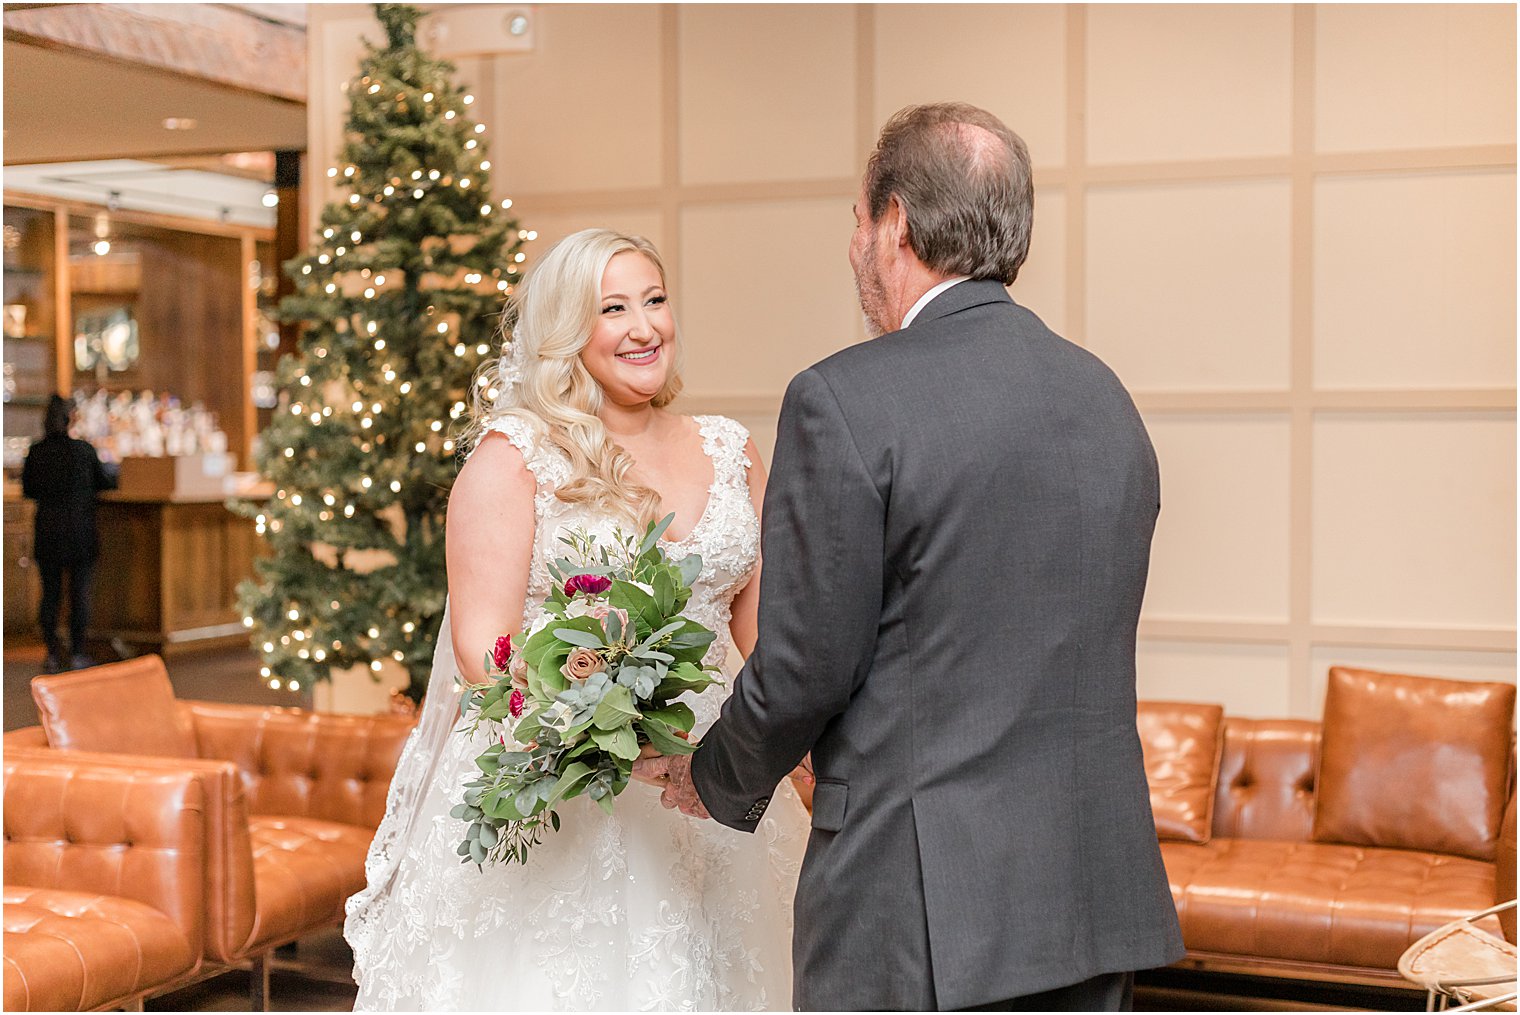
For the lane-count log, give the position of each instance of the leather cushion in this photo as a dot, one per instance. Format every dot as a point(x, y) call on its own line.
point(26, 736)
point(125, 707)
point(1414, 762)
point(305, 764)
point(304, 870)
point(1266, 779)
point(1504, 889)
point(74, 951)
point(1312, 902)
point(1181, 744)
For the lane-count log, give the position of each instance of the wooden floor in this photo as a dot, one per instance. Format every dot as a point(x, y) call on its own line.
point(230, 675)
point(317, 978)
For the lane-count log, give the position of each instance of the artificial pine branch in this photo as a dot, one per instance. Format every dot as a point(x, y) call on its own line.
point(399, 298)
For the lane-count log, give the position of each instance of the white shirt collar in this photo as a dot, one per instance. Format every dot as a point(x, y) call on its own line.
point(924, 300)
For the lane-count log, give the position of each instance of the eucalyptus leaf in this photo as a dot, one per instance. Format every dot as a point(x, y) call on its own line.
point(571, 779)
point(664, 592)
point(656, 530)
point(620, 743)
point(639, 604)
point(685, 677)
point(528, 728)
point(615, 710)
point(581, 748)
point(677, 714)
point(583, 639)
point(664, 740)
point(662, 632)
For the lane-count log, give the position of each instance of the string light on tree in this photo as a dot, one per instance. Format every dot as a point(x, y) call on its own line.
point(361, 458)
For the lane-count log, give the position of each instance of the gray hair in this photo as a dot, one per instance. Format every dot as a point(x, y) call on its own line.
point(963, 178)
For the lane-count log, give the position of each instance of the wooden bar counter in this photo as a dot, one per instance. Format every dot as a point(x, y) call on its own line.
point(168, 571)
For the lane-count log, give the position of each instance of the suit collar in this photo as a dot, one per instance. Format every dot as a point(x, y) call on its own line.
point(970, 293)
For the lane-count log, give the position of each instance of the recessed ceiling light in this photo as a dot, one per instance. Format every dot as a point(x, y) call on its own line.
point(179, 123)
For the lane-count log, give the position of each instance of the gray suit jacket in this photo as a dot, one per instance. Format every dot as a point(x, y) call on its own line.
point(956, 537)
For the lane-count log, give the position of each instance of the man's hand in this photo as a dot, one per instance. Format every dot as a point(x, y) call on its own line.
point(650, 767)
point(680, 792)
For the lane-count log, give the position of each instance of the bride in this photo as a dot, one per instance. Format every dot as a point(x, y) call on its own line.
point(645, 908)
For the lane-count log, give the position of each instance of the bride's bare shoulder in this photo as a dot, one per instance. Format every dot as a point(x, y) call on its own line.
point(496, 473)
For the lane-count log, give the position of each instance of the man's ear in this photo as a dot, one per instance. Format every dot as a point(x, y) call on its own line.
point(895, 218)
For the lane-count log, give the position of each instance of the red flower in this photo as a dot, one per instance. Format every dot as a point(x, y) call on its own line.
point(515, 703)
point(593, 584)
point(501, 655)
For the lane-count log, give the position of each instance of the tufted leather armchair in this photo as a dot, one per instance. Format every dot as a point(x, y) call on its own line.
point(1262, 897)
point(293, 798)
point(104, 881)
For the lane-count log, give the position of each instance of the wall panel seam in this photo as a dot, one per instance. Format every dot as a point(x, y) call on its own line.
point(1301, 368)
point(1076, 174)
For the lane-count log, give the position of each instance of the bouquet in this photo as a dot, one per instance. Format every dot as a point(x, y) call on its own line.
point(596, 679)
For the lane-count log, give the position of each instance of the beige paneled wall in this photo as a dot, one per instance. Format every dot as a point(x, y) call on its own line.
point(1290, 230)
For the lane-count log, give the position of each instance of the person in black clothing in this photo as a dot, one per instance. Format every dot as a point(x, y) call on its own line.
point(63, 475)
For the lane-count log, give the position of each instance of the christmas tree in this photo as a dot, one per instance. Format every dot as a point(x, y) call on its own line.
point(400, 299)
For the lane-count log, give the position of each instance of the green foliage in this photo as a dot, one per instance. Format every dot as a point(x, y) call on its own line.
point(399, 298)
point(581, 737)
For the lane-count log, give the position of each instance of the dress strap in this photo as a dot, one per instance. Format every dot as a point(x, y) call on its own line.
point(545, 461)
point(723, 441)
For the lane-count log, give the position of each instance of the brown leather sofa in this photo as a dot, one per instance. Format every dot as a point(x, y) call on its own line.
point(105, 893)
point(1321, 851)
point(294, 796)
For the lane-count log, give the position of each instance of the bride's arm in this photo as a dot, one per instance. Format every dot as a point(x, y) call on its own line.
point(489, 543)
point(745, 625)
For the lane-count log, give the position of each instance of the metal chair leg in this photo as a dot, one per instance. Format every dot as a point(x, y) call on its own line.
point(1487, 1003)
point(258, 983)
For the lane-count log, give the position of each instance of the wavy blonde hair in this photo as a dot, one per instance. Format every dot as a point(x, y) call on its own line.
point(551, 316)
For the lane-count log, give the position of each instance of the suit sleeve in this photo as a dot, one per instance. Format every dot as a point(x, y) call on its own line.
point(105, 476)
point(820, 604)
point(31, 479)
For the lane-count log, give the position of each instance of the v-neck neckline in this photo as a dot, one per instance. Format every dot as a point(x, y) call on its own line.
point(712, 488)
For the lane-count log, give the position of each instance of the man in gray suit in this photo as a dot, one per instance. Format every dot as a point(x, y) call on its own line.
point(956, 536)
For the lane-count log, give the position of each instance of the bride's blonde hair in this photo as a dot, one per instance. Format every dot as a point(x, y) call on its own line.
point(550, 318)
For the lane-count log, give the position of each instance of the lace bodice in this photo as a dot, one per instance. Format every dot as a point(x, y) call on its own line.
point(640, 909)
point(726, 536)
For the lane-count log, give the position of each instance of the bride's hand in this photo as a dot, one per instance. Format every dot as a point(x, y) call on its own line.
point(803, 781)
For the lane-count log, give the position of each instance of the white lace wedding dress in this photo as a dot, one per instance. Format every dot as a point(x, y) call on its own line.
point(644, 909)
